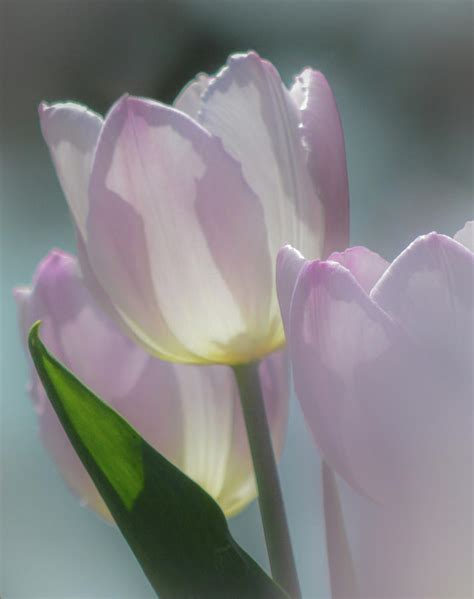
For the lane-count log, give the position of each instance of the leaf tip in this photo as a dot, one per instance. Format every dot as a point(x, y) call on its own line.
point(33, 336)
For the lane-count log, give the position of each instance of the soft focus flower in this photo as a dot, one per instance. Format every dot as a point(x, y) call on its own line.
point(382, 359)
point(191, 414)
point(180, 211)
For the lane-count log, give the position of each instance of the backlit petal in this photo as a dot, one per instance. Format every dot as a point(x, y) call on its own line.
point(178, 239)
point(63, 305)
point(366, 266)
point(323, 136)
point(249, 109)
point(342, 346)
point(189, 100)
point(341, 569)
point(386, 385)
point(71, 132)
point(289, 265)
point(428, 289)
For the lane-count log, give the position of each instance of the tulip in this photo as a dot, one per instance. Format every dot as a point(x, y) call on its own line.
point(180, 211)
point(382, 358)
point(191, 414)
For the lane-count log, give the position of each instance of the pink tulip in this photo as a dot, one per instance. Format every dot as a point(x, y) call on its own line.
point(191, 414)
point(180, 211)
point(382, 359)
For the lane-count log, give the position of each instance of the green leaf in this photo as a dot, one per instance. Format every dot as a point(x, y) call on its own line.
point(175, 529)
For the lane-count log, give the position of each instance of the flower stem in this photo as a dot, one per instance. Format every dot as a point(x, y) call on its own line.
point(270, 497)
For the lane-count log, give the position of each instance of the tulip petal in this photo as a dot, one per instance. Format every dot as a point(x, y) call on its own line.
point(341, 568)
point(187, 418)
point(189, 100)
point(428, 289)
point(426, 527)
point(337, 336)
point(62, 303)
point(420, 546)
point(466, 236)
point(366, 266)
point(385, 382)
point(197, 438)
point(71, 132)
point(182, 214)
point(289, 265)
point(323, 135)
point(249, 109)
point(93, 285)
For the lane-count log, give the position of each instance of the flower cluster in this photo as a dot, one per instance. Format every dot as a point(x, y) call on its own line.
point(186, 218)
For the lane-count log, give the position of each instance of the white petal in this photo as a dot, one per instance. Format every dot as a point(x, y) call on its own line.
point(249, 109)
point(428, 289)
point(289, 265)
point(341, 569)
point(342, 351)
point(189, 100)
point(177, 238)
point(71, 132)
point(324, 139)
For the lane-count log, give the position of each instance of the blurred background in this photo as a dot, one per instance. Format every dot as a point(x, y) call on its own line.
point(402, 73)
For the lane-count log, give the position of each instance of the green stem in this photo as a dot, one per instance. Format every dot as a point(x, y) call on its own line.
point(270, 497)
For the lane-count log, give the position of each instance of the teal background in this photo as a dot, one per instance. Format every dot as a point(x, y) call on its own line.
point(402, 75)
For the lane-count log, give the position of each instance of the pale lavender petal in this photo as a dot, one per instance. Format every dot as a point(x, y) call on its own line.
point(62, 303)
point(386, 386)
point(249, 109)
point(171, 407)
point(94, 287)
point(366, 266)
point(337, 335)
point(323, 135)
point(189, 100)
point(429, 290)
point(466, 236)
point(171, 219)
point(420, 545)
point(71, 132)
point(288, 267)
point(341, 568)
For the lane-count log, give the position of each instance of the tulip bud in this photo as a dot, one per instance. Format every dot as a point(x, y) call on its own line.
point(180, 211)
point(382, 359)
